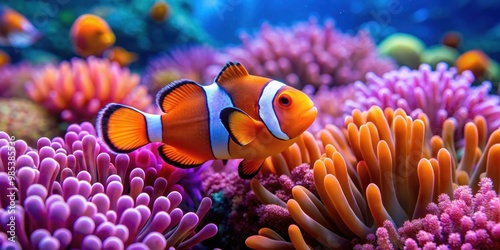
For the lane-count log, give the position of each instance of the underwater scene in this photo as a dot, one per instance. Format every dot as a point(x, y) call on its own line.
point(249, 124)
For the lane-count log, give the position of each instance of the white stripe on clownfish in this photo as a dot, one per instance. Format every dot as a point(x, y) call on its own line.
point(154, 126)
point(266, 109)
point(217, 100)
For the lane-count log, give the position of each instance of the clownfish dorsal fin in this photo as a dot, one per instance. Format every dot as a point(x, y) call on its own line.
point(177, 92)
point(231, 72)
point(249, 168)
point(177, 158)
point(242, 128)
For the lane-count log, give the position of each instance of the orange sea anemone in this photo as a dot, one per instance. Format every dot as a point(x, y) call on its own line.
point(382, 166)
point(78, 89)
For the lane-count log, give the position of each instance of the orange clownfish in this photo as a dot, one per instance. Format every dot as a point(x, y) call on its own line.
point(121, 56)
point(160, 11)
point(91, 35)
point(15, 29)
point(239, 116)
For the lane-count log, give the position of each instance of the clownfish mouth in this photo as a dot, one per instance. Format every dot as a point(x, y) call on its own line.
point(309, 115)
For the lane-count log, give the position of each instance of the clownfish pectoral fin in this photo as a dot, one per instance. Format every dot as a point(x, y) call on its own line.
point(123, 128)
point(249, 168)
point(177, 158)
point(177, 92)
point(231, 72)
point(242, 128)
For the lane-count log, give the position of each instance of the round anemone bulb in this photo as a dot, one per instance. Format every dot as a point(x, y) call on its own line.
point(475, 61)
point(406, 49)
point(76, 90)
point(439, 53)
point(13, 78)
point(26, 120)
point(309, 54)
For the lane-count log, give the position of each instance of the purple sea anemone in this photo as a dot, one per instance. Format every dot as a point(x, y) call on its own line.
point(309, 54)
point(13, 78)
point(71, 192)
point(439, 94)
point(199, 63)
point(466, 222)
point(78, 89)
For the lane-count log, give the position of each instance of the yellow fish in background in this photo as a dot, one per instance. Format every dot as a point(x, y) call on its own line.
point(160, 11)
point(121, 56)
point(239, 116)
point(15, 29)
point(91, 35)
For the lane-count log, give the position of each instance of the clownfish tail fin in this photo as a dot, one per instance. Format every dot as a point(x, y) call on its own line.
point(125, 129)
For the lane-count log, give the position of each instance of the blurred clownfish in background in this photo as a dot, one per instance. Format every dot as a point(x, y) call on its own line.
point(121, 56)
point(160, 11)
point(239, 116)
point(15, 29)
point(91, 35)
point(4, 58)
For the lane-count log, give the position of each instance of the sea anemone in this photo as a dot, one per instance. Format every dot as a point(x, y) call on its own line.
point(440, 94)
point(198, 63)
point(78, 89)
point(465, 222)
point(71, 192)
point(26, 120)
point(309, 54)
point(13, 78)
point(382, 167)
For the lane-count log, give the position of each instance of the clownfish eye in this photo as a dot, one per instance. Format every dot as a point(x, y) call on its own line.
point(285, 100)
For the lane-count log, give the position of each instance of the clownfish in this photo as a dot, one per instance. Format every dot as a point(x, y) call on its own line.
point(160, 11)
point(239, 116)
point(121, 56)
point(91, 35)
point(15, 29)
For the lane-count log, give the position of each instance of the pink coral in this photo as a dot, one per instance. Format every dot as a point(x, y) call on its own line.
point(78, 89)
point(469, 221)
point(310, 54)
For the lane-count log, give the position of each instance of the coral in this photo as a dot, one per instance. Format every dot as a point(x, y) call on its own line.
point(384, 166)
point(467, 222)
point(197, 63)
point(237, 209)
point(78, 89)
point(26, 120)
point(13, 78)
point(309, 54)
point(440, 94)
point(406, 49)
point(72, 193)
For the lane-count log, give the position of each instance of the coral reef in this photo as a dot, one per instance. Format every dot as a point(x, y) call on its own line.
point(465, 222)
point(198, 63)
point(26, 120)
point(78, 89)
point(309, 54)
point(440, 94)
point(12, 79)
point(72, 193)
point(383, 167)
